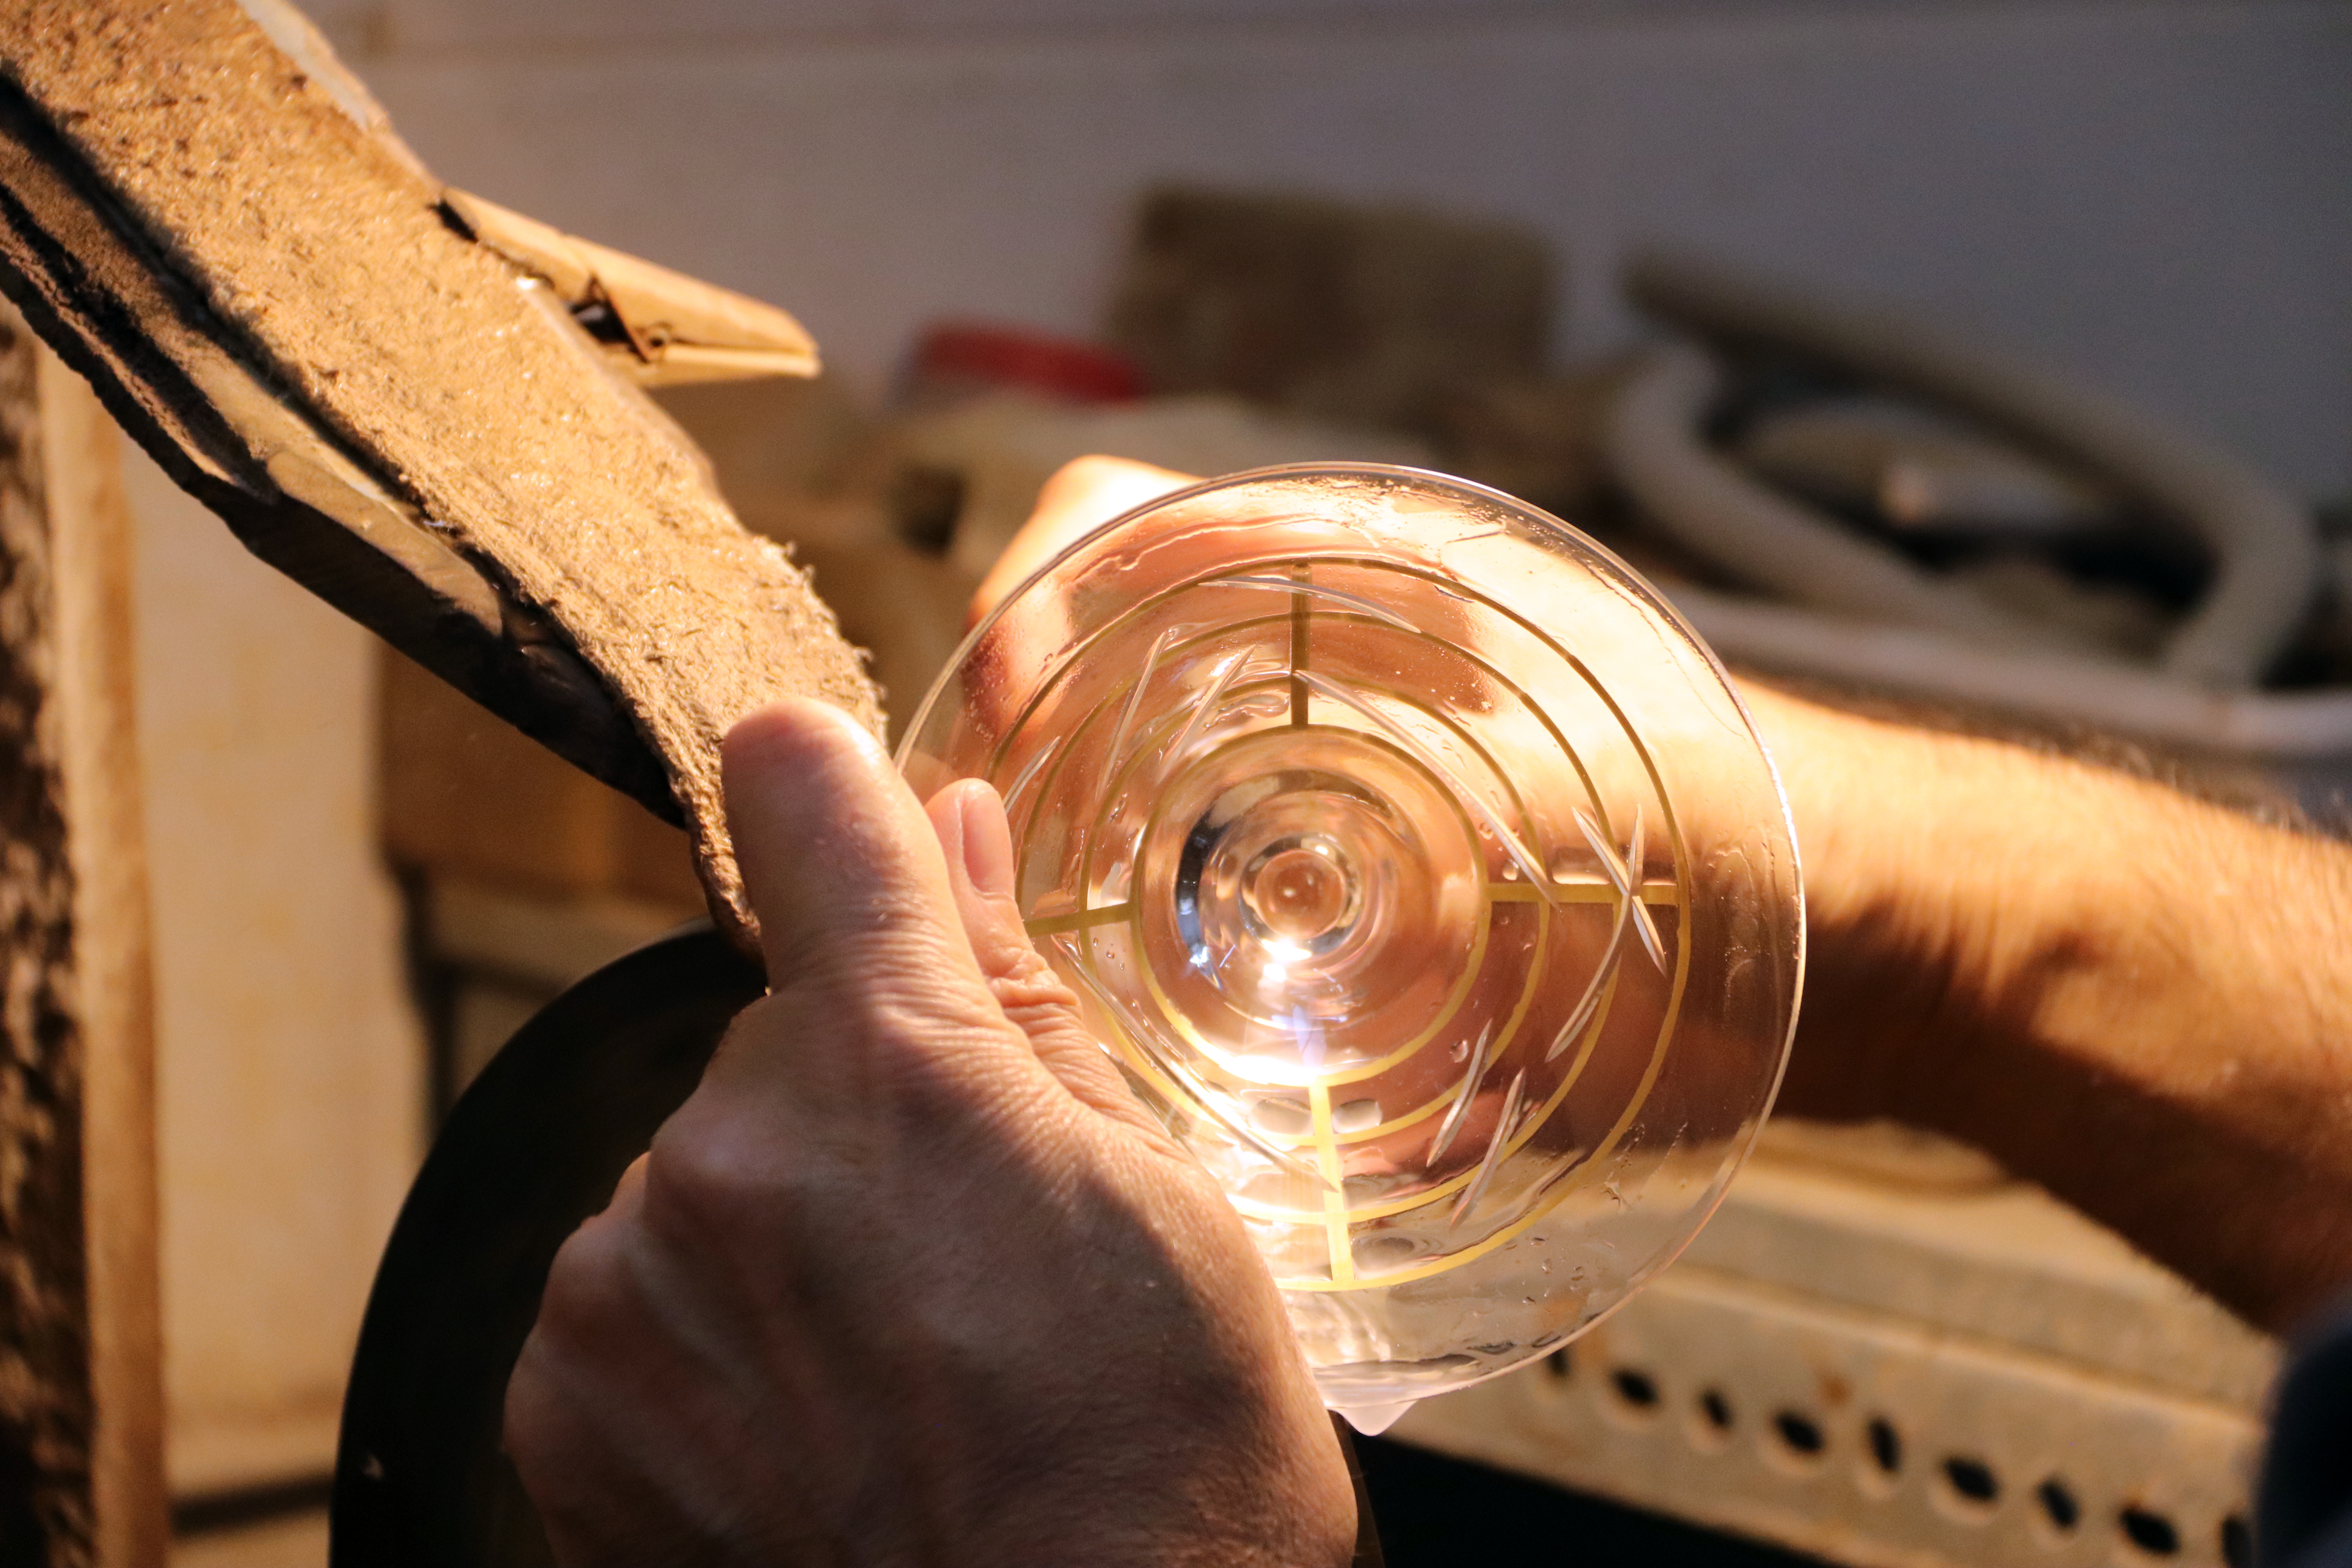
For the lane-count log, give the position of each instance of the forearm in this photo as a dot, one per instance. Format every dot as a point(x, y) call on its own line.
point(2140, 1000)
point(2143, 1001)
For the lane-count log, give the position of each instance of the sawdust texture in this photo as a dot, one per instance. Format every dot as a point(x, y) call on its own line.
point(474, 400)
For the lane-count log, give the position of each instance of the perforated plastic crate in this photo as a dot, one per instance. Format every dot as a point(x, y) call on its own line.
point(1916, 1369)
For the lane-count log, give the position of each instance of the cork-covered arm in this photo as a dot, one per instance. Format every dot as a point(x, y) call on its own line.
point(283, 308)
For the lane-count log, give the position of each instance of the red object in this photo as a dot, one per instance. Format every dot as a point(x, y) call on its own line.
point(962, 351)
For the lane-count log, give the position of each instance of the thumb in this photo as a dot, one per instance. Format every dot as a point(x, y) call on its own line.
point(838, 858)
point(970, 821)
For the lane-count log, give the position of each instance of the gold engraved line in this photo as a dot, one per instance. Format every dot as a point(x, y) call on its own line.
point(1525, 1222)
point(1335, 1196)
point(1472, 968)
point(1528, 1126)
point(1659, 890)
point(1299, 610)
point(1676, 849)
point(1680, 852)
point(1078, 919)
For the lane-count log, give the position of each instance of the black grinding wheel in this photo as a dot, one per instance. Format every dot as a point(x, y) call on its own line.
point(533, 1147)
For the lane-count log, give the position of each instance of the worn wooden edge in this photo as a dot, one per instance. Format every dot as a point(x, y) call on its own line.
point(626, 627)
point(171, 375)
point(91, 584)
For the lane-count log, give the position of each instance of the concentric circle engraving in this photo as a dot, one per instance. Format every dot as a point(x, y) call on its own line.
point(1374, 865)
point(1371, 818)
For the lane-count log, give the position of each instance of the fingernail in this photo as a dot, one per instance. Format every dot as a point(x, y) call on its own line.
point(987, 841)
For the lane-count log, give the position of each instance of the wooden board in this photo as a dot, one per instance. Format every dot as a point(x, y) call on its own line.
point(273, 302)
point(80, 1374)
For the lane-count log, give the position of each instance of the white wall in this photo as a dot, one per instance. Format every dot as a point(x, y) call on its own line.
point(2151, 194)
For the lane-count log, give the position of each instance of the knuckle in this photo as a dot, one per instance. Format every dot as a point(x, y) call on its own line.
point(885, 1003)
point(587, 1293)
point(708, 1173)
point(828, 1076)
point(1025, 983)
point(893, 923)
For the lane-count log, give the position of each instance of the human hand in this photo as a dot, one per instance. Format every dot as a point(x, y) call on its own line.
point(1882, 955)
point(2136, 998)
point(911, 1277)
point(1083, 495)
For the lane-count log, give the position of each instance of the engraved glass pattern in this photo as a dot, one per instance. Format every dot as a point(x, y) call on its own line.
point(1421, 870)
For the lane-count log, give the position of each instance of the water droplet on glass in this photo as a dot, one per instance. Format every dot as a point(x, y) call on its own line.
point(1356, 1116)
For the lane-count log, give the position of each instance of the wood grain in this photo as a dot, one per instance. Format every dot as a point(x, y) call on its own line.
point(90, 561)
point(80, 1383)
